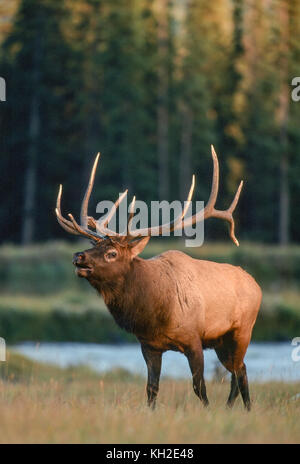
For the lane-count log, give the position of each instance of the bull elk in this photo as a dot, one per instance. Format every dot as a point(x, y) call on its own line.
point(171, 301)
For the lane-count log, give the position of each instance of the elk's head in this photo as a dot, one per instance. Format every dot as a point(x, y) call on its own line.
point(112, 253)
point(107, 260)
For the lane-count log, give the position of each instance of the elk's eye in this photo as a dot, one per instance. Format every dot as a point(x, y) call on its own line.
point(111, 255)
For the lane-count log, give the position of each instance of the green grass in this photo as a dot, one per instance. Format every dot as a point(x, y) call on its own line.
point(69, 301)
point(44, 404)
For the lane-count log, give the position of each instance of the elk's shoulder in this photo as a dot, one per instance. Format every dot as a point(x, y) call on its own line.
point(173, 255)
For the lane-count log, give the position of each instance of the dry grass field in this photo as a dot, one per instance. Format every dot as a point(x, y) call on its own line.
point(42, 404)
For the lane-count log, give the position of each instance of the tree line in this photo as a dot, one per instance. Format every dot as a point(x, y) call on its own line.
point(150, 84)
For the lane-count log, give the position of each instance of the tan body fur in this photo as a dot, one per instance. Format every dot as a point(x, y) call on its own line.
point(193, 299)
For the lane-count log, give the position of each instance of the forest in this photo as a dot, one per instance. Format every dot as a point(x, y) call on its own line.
point(150, 84)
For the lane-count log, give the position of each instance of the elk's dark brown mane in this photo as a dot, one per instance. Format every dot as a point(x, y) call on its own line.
point(127, 300)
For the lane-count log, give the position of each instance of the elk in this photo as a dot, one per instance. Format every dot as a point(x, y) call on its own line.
point(171, 301)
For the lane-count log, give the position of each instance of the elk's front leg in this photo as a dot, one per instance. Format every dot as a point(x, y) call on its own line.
point(153, 361)
point(195, 358)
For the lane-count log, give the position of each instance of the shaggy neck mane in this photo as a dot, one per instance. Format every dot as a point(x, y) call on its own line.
point(113, 292)
point(126, 300)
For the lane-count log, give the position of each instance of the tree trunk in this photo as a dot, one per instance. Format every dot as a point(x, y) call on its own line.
point(29, 206)
point(185, 164)
point(283, 115)
point(162, 111)
point(284, 202)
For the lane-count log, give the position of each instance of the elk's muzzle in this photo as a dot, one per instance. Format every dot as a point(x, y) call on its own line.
point(83, 269)
point(78, 258)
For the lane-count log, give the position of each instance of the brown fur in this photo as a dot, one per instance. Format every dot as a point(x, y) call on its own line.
point(175, 302)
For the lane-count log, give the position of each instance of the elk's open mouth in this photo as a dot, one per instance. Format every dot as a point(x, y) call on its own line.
point(83, 266)
point(82, 270)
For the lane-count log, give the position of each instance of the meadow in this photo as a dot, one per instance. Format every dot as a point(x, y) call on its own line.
point(45, 404)
point(43, 300)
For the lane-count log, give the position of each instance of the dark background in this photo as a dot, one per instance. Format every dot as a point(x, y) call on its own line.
point(151, 85)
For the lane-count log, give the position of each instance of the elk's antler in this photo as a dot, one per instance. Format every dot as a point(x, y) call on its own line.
point(71, 225)
point(209, 210)
point(103, 232)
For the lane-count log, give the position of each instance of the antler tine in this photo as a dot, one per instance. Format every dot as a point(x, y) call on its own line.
point(131, 214)
point(102, 225)
point(67, 225)
point(179, 221)
point(64, 226)
point(92, 222)
point(85, 201)
point(236, 198)
point(83, 229)
point(71, 226)
point(227, 214)
point(84, 218)
point(210, 207)
point(114, 209)
point(87, 233)
point(170, 227)
point(215, 185)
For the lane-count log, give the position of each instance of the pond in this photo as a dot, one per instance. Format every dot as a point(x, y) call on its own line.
point(265, 361)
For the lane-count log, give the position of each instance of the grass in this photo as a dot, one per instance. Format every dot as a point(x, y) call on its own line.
point(72, 301)
point(45, 404)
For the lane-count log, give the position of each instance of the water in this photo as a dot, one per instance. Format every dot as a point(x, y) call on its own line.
point(265, 361)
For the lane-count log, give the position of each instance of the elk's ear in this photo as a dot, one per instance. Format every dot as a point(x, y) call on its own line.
point(137, 246)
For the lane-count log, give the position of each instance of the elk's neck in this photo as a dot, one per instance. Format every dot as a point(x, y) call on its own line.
point(130, 300)
point(113, 293)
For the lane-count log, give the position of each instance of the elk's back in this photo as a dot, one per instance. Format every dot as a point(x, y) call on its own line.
point(214, 298)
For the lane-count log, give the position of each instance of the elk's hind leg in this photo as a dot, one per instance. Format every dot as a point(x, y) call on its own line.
point(153, 361)
point(234, 391)
point(231, 354)
point(242, 380)
point(196, 361)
